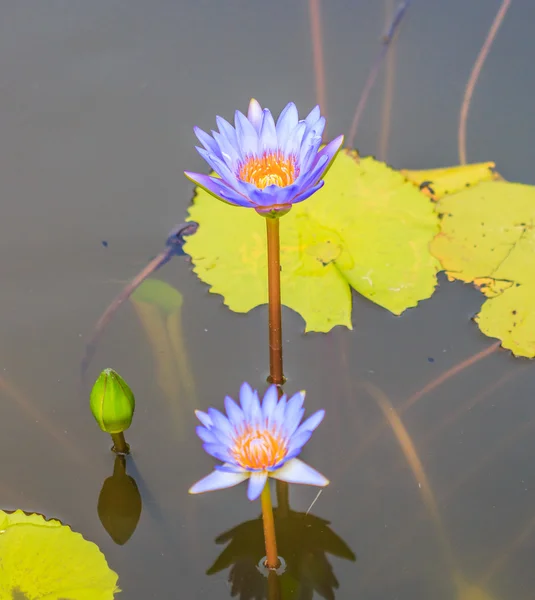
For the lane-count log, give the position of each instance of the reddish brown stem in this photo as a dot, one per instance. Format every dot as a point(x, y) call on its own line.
point(474, 76)
point(274, 293)
point(314, 10)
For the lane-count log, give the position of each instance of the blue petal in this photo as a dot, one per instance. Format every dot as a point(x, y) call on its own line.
point(268, 134)
point(254, 114)
point(274, 195)
point(313, 116)
point(217, 480)
point(219, 451)
point(250, 404)
point(312, 422)
point(307, 193)
point(255, 416)
point(234, 412)
point(257, 482)
point(204, 418)
point(296, 443)
point(231, 468)
point(314, 173)
point(286, 123)
point(206, 435)
point(219, 166)
point(330, 150)
point(294, 412)
point(246, 399)
point(227, 131)
point(247, 136)
point(269, 403)
point(206, 140)
point(218, 188)
point(316, 129)
point(227, 151)
point(309, 151)
point(311, 143)
point(276, 419)
point(293, 143)
point(296, 471)
point(222, 427)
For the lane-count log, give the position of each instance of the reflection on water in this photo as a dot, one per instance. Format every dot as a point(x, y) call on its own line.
point(119, 503)
point(304, 541)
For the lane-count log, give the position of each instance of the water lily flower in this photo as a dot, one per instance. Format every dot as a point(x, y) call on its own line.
point(265, 165)
point(258, 440)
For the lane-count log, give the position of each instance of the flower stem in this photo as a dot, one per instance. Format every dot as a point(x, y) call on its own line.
point(274, 289)
point(272, 558)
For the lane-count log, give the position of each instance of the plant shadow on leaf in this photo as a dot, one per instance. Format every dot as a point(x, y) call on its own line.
point(42, 558)
point(367, 229)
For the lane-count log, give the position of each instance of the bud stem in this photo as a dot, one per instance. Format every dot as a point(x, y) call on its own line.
point(119, 444)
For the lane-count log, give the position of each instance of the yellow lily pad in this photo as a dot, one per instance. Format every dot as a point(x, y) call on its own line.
point(488, 238)
point(45, 560)
point(368, 229)
point(437, 183)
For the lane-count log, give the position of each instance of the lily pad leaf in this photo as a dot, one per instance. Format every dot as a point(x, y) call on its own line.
point(488, 238)
point(368, 229)
point(47, 560)
point(437, 183)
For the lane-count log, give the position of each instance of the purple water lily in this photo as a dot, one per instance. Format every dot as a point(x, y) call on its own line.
point(258, 440)
point(265, 165)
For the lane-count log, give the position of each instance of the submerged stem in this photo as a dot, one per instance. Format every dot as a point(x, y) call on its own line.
point(272, 558)
point(274, 293)
point(283, 498)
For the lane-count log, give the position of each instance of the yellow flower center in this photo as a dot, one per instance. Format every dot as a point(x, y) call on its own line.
point(272, 168)
point(259, 449)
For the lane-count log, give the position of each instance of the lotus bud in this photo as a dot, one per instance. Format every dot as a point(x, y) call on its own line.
point(112, 402)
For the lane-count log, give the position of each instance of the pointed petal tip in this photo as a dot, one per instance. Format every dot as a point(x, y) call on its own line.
point(257, 482)
point(297, 471)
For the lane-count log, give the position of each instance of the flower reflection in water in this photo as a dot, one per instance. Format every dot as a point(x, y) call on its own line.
point(304, 541)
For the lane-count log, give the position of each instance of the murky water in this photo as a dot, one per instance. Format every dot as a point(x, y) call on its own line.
point(97, 104)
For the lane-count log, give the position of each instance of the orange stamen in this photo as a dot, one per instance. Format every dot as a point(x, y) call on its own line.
point(272, 168)
point(259, 449)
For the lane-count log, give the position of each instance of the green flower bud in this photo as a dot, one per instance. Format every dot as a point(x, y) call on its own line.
point(112, 402)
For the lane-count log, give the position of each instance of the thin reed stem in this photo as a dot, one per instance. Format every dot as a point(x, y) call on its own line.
point(314, 11)
point(388, 94)
point(474, 76)
point(386, 42)
point(272, 557)
point(274, 292)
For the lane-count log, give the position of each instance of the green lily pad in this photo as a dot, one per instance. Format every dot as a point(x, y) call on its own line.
point(45, 560)
point(488, 238)
point(367, 229)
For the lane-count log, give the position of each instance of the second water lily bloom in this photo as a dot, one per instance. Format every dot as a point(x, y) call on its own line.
point(258, 440)
point(265, 165)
